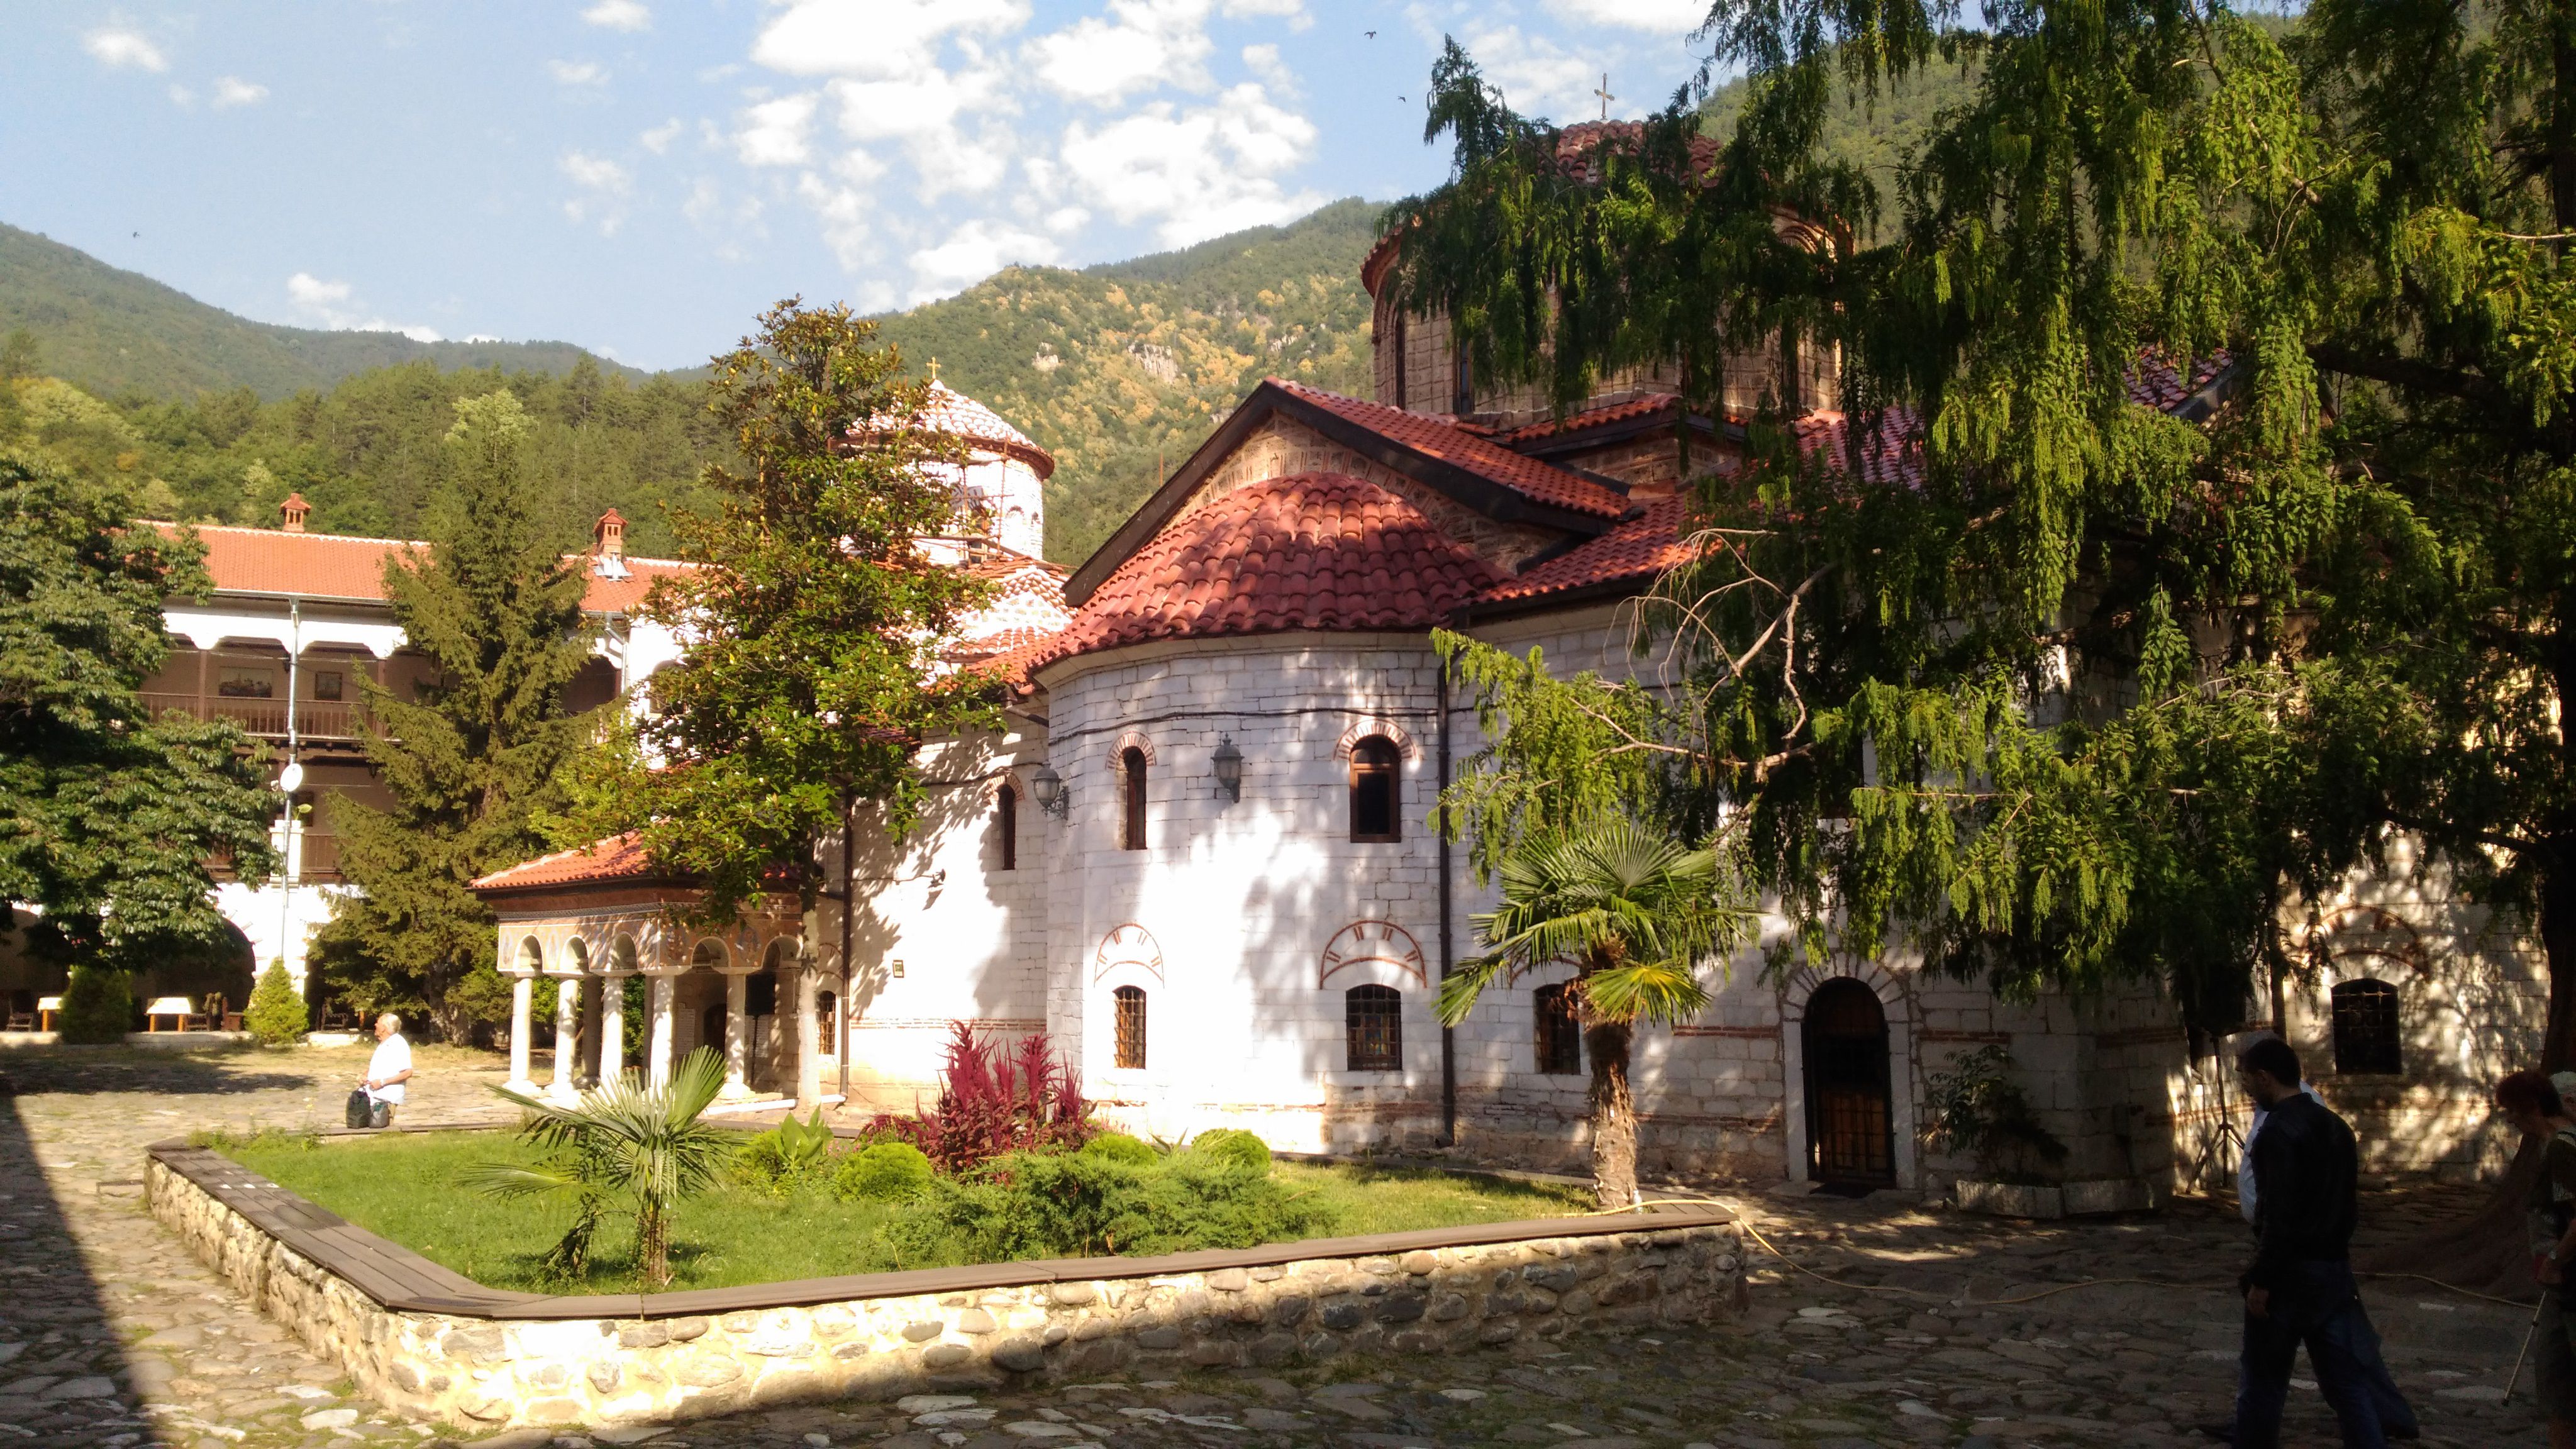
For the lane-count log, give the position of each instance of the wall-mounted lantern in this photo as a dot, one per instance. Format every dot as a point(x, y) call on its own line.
point(1048, 787)
point(1229, 768)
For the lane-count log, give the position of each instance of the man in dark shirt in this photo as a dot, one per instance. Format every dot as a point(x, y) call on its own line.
point(2300, 1288)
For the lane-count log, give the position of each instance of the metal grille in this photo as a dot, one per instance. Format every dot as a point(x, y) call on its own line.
point(1560, 1035)
point(1376, 1018)
point(1131, 1027)
point(2365, 1027)
point(1845, 1039)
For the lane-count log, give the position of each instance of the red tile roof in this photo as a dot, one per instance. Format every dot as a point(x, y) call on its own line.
point(619, 857)
point(343, 566)
point(1313, 551)
point(1438, 439)
point(1637, 550)
point(1600, 417)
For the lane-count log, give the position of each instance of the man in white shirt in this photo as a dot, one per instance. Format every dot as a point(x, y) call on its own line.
point(387, 1070)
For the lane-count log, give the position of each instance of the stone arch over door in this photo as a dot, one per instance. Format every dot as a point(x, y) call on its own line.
point(1896, 1007)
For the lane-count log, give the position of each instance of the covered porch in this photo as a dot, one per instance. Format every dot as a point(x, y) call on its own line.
point(607, 934)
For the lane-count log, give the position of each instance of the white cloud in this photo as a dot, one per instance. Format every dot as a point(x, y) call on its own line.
point(603, 184)
point(1671, 17)
point(777, 133)
point(876, 39)
point(181, 95)
point(1150, 43)
point(1263, 61)
point(234, 91)
point(659, 139)
point(119, 47)
point(618, 15)
point(333, 305)
point(973, 252)
point(578, 72)
point(1536, 75)
point(1198, 173)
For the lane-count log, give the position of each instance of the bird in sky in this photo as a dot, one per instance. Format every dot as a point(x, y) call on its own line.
point(1371, 34)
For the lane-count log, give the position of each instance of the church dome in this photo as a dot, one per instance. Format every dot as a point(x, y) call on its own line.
point(956, 415)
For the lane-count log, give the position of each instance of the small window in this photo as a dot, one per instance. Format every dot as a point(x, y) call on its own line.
point(1006, 825)
point(1373, 789)
point(2365, 1027)
point(327, 684)
point(1375, 1015)
point(1131, 1028)
point(246, 684)
point(1131, 787)
point(824, 1006)
point(1560, 1035)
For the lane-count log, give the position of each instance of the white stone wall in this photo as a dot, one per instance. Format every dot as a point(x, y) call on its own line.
point(968, 936)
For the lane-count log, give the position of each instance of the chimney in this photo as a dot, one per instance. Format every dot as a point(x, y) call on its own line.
point(608, 544)
point(294, 509)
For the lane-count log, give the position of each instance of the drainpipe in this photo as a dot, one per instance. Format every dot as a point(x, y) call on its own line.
point(841, 998)
point(291, 777)
point(1440, 833)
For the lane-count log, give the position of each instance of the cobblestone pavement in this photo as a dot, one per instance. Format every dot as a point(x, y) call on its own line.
point(111, 1334)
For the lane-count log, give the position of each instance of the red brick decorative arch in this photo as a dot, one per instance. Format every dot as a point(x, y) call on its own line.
point(1134, 741)
point(1362, 729)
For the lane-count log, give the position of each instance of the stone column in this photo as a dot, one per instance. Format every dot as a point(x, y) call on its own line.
point(737, 1033)
point(809, 1059)
point(522, 1027)
point(662, 1009)
point(612, 1029)
point(566, 1086)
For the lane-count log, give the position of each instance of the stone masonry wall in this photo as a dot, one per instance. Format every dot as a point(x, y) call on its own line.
point(489, 1373)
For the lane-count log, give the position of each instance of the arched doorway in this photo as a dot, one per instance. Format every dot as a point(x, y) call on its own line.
point(1850, 1118)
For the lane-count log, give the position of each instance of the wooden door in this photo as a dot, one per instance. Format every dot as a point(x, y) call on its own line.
point(1850, 1120)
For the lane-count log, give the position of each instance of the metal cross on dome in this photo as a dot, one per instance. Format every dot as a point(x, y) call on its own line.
point(934, 365)
point(1604, 94)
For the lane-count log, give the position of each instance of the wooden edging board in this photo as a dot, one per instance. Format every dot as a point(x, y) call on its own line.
point(403, 1281)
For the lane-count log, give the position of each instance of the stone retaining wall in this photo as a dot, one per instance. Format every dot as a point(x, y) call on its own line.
point(528, 1360)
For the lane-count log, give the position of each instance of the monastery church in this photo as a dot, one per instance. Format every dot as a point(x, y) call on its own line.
point(1198, 855)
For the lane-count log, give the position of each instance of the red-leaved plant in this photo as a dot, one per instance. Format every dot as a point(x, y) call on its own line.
point(992, 1102)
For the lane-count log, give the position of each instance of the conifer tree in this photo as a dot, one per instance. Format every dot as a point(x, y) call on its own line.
point(108, 816)
point(2062, 688)
point(470, 756)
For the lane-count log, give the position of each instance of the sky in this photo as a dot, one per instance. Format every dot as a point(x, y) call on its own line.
point(643, 176)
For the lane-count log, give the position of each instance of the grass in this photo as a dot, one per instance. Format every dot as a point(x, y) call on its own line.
point(404, 1188)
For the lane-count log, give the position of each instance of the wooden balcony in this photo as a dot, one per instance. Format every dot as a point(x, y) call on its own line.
point(320, 720)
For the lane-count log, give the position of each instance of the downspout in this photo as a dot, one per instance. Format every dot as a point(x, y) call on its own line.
point(849, 974)
point(1440, 832)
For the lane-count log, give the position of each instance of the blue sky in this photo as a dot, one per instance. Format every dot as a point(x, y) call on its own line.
point(642, 176)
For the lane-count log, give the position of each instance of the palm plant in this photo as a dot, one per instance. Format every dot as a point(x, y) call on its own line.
point(1637, 914)
point(621, 1147)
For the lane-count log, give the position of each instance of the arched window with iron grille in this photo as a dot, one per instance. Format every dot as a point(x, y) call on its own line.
point(1560, 1033)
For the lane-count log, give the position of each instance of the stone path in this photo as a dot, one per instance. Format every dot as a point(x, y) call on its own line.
point(112, 1335)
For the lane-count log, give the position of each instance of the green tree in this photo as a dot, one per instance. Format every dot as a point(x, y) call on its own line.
point(623, 1147)
point(470, 757)
point(276, 1015)
point(810, 677)
point(108, 816)
point(1641, 920)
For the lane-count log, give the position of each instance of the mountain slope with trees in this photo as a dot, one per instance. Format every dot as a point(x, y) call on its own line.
point(112, 331)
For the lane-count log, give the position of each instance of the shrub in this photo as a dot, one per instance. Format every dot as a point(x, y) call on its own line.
point(98, 1006)
point(991, 1103)
point(1058, 1204)
point(1977, 1109)
point(882, 1172)
point(276, 1014)
point(1234, 1147)
point(1119, 1147)
point(787, 1157)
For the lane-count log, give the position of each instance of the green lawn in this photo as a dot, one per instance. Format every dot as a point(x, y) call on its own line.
point(405, 1187)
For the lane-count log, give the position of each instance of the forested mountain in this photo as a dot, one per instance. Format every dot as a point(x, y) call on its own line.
point(1120, 370)
point(112, 331)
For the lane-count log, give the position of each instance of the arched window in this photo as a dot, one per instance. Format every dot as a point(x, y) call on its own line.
point(1560, 1035)
point(1130, 1002)
point(825, 1005)
point(1006, 825)
point(1374, 815)
point(1131, 790)
point(2365, 1027)
point(1375, 1017)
